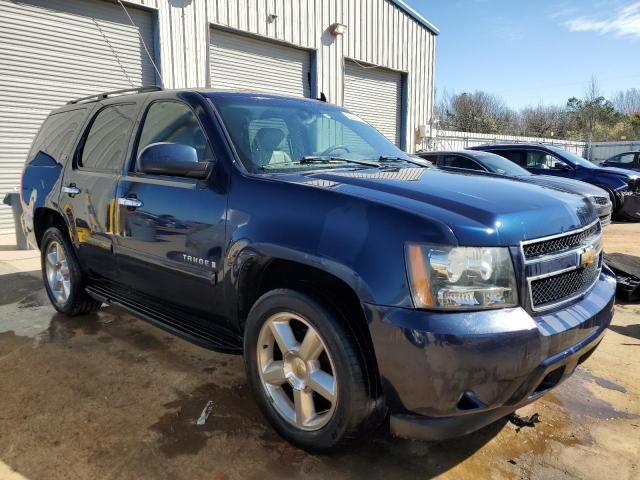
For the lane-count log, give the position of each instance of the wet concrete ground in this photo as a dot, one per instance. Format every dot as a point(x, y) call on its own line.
point(107, 396)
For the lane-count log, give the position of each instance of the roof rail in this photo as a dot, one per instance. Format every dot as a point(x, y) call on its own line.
point(102, 96)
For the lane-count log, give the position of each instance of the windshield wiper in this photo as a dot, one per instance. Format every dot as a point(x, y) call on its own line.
point(320, 159)
point(389, 159)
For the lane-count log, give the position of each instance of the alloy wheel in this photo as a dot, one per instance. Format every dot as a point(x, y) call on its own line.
point(297, 371)
point(57, 271)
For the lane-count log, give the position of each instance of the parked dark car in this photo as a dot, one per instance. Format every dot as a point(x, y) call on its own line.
point(622, 185)
point(485, 163)
point(356, 281)
point(628, 160)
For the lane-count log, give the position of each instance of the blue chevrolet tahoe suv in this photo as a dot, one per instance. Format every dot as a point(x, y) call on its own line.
point(358, 282)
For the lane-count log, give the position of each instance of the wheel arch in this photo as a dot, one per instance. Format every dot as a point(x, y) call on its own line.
point(44, 218)
point(260, 275)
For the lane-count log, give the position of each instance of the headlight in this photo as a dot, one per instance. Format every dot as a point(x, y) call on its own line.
point(460, 278)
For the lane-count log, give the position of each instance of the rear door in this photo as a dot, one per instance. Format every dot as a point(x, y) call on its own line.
point(88, 190)
point(170, 246)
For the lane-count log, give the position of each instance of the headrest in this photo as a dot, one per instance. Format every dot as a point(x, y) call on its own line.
point(269, 138)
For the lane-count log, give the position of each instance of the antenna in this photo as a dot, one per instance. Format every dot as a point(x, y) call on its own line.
point(143, 43)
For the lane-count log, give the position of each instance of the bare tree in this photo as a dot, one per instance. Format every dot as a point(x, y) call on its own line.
point(627, 102)
point(545, 121)
point(475, 112)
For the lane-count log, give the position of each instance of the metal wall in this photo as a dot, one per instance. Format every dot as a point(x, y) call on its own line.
point(600, 151)
point(379, 32)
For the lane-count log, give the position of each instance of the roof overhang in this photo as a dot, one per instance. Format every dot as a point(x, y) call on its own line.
point(416, 16)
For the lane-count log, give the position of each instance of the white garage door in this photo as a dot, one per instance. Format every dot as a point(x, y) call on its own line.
point(239, 62)
point(375, 94)
point(52, 51)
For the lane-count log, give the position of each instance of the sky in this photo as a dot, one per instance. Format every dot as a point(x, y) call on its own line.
point(532, 52)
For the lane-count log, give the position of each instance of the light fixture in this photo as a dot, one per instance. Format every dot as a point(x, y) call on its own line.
point(338, 29)
point(271, 17)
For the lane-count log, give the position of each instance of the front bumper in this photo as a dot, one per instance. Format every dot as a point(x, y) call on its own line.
point(448, 374)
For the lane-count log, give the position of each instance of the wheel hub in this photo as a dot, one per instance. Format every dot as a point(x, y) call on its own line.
point(295, 370)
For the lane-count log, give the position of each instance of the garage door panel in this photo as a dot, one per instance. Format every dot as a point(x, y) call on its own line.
point(375, 94)
point(52, 51)
point(238, 62)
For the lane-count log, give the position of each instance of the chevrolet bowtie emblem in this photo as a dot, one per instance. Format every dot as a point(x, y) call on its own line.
point(588, 256)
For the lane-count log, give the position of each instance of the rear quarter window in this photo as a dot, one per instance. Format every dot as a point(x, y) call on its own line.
point(57, 134)
point(519, 157)
point(106, 143)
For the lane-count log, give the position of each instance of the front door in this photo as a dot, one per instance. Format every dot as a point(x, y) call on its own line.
point(171, 230)
point(540, 162)
point(624, 160)
point(89, 188)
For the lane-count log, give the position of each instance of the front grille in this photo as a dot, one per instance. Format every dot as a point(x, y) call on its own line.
point(560, 244)
point(601, 200)
point(565, 285)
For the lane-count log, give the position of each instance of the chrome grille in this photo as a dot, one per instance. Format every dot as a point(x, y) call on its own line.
point(559, 244)
point(601, 200)
point(549, 290)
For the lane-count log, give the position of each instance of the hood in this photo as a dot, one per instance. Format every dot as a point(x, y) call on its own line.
point(566, 185)
point(618, 172)
point(481, 211)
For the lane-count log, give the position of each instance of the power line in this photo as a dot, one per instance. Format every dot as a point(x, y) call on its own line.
point(143, 43)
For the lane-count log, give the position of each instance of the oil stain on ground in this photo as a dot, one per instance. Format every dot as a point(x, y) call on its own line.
point(578, 400)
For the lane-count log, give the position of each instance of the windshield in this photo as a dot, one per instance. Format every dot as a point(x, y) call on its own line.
point(572, 158)
point(275, 134)
point(497, 164)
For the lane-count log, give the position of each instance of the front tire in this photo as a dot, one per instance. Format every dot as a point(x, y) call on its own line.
point(305, 371)
point(63, 279)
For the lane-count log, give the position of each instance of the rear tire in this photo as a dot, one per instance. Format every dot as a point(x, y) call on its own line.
point(305, 371)
point(62, 275)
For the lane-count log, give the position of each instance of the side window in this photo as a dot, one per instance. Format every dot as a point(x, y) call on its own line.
point(456, 161)
point(106, 144)
point(539, 159)
point(57, 134)
point(519, 157)
point(625, 158)
point(173, 122)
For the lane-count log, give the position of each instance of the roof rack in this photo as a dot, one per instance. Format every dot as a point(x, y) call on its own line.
point(102, 96)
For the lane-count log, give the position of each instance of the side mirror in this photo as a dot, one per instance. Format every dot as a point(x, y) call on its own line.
point(560, 166)
point(173, 159)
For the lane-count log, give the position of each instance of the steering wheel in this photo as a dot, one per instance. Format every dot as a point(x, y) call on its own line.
point(333, 148)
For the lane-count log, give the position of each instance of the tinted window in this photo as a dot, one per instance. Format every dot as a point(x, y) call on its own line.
point(108, 138)
point(57, 134)
point(519, 157)
point(174, 122)
point(457, 161)
point(497, 164)
point(625, 158)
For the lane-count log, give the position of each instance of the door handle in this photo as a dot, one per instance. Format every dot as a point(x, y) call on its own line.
point(130, 202)
point(71, 190)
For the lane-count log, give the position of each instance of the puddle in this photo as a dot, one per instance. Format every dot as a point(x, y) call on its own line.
point(234, 412)
point(22, 285)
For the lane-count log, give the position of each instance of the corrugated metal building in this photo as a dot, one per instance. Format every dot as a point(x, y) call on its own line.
point(376, 57)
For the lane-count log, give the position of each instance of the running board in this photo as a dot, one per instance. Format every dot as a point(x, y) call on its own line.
point(190, 327)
